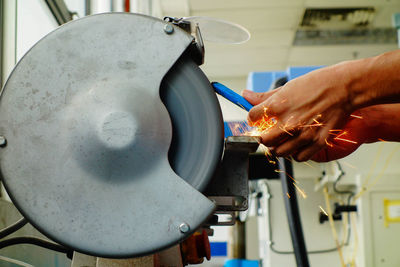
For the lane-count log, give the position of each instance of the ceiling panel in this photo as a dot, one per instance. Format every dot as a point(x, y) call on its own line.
point(198, 5)
point(239, 61)
point(256, 19)
point(349, 3)
point(239, 70)
point(270, 38)
point(383, 16)
point(272, 24)
point(233, 53)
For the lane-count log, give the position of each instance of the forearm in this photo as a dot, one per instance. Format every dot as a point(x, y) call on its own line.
point(382, 122)
point(373, 81)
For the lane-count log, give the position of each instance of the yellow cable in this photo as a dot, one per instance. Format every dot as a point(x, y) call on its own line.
point(354, 225)
point(345, 230)
point(332, 225)
point(369, 175)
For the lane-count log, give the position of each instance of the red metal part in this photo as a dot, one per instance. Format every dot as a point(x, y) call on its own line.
point(127, 6)
point(196, 248)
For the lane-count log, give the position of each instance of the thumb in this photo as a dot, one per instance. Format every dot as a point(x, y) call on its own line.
point(256, 98)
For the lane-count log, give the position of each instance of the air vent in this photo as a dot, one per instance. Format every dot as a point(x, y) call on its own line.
point(338, 17)
point(334, 26)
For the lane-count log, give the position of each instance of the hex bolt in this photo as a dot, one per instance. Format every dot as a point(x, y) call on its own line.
point(184, 227)
point(3, 141)
point(168, 28)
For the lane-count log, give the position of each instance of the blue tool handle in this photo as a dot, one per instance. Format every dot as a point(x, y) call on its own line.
point(231, 96)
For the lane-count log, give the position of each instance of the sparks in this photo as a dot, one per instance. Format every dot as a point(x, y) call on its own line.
point(341, 134)
point(301, 191)
point(286, 131)
point(356, 116)
point(281, 171)
point(308, 164)
point(311, 125)
point(345, 140)
point(339, 137)
point(322, 209)
point(329, 144)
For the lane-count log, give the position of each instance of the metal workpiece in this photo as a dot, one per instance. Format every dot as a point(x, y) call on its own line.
point(229, 187)
point(86, 160)
point(245, 144)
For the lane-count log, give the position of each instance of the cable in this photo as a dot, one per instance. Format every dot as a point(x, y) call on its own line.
point(332, 225)
point(341, 192)
point(13, 228)
point(36, 241)
point(293, 213)
point(271, 242)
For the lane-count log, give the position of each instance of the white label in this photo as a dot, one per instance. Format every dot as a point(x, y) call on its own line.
point(394, 211)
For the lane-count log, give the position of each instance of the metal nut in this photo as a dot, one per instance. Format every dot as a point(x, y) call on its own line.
point(3, 141)
point(184, 227)
point(168, 28)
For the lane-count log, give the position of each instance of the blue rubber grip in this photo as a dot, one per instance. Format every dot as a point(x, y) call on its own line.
point(231, 96)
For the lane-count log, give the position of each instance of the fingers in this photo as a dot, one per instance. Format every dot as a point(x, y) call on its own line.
point(303, 146)
point(273, 137)
point(317, 144)
point(257, 113)
point(291, 146)
point(308, 152)
point(256, 98)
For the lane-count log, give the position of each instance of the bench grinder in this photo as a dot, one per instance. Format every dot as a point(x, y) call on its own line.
point(111, 132)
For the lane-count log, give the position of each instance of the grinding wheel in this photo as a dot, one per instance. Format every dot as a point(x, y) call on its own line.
point(86, 160)
point(197, 139)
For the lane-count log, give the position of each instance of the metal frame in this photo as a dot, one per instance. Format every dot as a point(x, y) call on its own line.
point(229, 187)
point(59, 10)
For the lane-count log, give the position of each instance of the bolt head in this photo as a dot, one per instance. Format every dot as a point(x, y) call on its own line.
point(168, 28)
point(3, 141)
point(184, 227)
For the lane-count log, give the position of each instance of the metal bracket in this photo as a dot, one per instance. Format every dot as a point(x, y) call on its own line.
point(196, 49)
point(229, 187)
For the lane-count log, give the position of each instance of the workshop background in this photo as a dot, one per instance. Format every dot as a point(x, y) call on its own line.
point(288, 38)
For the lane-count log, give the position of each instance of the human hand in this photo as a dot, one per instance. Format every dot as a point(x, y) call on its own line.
point(377, 123)
point(307, 110)
point(344, 142)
